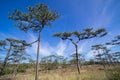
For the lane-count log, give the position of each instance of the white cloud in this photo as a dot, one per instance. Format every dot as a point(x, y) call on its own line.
point(6, 35)
point(63, 48)
point(103, 14)
point(104, 10)
point(45, 48)
point(91, 54)
point(60, 49)
point(82, 47)
point(109, 46)
point(33, 49)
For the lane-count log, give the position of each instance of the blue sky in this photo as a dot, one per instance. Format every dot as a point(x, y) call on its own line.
point(75, 15)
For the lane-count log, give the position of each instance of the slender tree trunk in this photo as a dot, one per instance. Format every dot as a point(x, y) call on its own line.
point(102, 61)
point(5, 60)
point(106, 60)
point(110, 61)
point(77, 60)
point(37, 61)
point(16, 69)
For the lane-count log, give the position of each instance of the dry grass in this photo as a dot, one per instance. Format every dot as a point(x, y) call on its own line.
point(72, 76)
point(62, 74)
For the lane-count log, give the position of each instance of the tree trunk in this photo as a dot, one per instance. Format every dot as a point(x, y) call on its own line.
point(37, 61)
point(5, 60)
point(106, 60)
point(16, 69)
point(17, 66)
point(77, 60)
point(103, 63)
point(109, 59)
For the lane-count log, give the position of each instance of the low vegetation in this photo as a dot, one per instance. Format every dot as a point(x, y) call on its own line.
point(89, 72)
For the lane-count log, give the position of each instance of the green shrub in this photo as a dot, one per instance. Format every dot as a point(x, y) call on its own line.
point(114, 74)
point(21, 71)
point(7, 71)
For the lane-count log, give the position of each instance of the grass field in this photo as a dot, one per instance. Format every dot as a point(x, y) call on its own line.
point(87, 73)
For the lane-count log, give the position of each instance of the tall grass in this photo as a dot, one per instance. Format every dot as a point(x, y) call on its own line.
point(87, 73)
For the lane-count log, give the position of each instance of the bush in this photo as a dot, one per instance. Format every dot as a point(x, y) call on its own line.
point(7, 71)
point(114, 74)
point(21, 71)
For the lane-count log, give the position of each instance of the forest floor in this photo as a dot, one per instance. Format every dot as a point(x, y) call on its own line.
point(87, 73)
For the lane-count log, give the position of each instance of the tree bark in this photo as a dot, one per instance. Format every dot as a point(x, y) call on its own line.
point(37, 61)
point(16, 69)
point(77, 60)
point(102, 61)
point(5, 60)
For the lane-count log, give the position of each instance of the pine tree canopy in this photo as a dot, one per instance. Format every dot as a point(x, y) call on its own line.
point(35, 18)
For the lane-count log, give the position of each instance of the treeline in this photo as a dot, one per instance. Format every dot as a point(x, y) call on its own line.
point(105, 55)
point(53, 62)
point(15, 52)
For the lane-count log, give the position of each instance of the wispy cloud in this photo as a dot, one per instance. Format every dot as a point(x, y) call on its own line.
point(91, 54)
point(45, 48)
point(102, 16)
point(106, 7)
point(61, 47)
point(7, 35)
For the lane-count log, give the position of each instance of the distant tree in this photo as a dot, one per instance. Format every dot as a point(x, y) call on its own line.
point(31, 62)
point(11, 45)
point(102, 50)
point(0, 62)
point(49, 62)
point(56, 63)
point(43, 63)
point(87, 34)
point(36, 19)
point(107, 54)
point(2, 44)
point(51, 58)
point(16, 58)
point(99, 55)
point(116, 41)
point(101, 59)
point(74, 58)
point(64, 63)
point(2, 47)
point(60, 59)
point(91, 62)
point(116, 57)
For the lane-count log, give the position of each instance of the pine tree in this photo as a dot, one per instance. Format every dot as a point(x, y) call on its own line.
point(86, 34)
point(36, 18)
